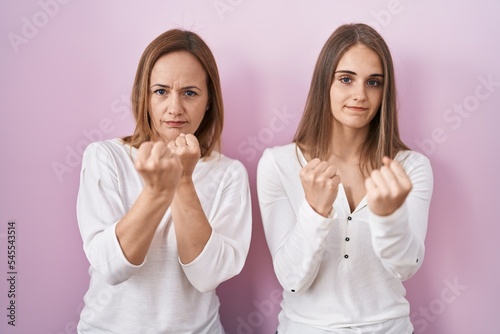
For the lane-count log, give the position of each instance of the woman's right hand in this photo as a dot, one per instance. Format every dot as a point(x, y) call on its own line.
point(321, 183)
point(159, 167)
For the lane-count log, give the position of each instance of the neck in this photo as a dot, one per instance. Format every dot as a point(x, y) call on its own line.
point(347, 143)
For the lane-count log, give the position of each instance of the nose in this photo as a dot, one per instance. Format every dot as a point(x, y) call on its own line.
point(174, 105)
point(359, 93)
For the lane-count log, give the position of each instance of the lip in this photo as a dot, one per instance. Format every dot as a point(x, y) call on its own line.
point(174, 124)
point(355, 108)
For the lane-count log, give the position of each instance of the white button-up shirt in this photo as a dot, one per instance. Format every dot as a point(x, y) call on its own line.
point(161, 295)
point(344, 273)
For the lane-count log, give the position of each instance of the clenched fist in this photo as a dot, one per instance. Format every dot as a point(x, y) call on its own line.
point(321, 183)
point(159, 167)
point(387, 188)
point(187, 148)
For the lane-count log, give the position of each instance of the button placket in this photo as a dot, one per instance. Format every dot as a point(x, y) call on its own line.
point(347, 238)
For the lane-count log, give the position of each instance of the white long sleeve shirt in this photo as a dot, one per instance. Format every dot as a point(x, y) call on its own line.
point(341, 274)
point(161, 295)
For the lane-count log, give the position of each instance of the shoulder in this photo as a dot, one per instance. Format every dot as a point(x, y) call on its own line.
point(280, 160)
point(417, 165)
point(220, 163)
point(288, 149)
point(108, 152)
point(410, 159)
point(285, 153)
point(113, 146)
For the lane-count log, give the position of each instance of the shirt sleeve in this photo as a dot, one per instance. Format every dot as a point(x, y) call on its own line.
point(296, 241)
point(398, 239)
point(231, 219)
point(99, 208)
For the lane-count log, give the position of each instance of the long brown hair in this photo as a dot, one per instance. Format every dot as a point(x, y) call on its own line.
point(314, 132)
point(210, 129)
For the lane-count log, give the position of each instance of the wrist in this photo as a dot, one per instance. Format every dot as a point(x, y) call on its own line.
point(185, 179)
point(158, 194)
point(185, 186)
point(325, 212)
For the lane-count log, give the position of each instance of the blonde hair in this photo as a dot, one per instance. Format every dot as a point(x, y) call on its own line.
point(314, 132)
point(210, 129)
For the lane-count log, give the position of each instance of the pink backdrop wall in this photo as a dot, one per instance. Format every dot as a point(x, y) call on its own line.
point(66, 70)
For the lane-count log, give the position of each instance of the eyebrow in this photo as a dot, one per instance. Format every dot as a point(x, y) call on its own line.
point(167, 86)
point(354, 73)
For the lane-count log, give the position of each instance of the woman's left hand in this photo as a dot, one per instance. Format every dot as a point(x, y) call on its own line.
point(387, 188)
point(187, 148)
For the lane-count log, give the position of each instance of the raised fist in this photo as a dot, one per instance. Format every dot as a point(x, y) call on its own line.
point(187, 148)
point(159, 167)
point(321, 183)
point(387, 188)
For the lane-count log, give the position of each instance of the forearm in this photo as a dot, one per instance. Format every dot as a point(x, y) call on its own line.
point(191, 225)
point(136, 229)
point(298, 258)
point(296, 264)
point(398, 239)
point(399, 248)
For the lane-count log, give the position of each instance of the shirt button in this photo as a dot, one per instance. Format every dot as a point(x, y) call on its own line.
point(293, 290)
point(346, 256)
point(347, 239)
point(349, 218)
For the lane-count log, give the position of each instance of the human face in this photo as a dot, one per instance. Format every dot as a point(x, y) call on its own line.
point(356, 91)
point(179, 95)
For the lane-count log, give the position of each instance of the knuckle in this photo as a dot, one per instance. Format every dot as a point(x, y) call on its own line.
point(309, 177)
point(409, 186)
point(332, 185)
point(383, 194)
point(306, 174)
point(139, 166)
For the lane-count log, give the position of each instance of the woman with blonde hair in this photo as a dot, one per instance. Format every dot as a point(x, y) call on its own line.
point(164, 216)
point(345, 206)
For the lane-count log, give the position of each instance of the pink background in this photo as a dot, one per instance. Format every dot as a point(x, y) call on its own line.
point(66, 71)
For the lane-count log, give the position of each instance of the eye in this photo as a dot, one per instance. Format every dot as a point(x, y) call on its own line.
point(374, 83)
point(345, 80)
point(190, 93)
point(160, 91)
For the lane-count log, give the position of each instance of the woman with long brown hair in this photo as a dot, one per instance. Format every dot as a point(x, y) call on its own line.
point(345, 206)
point(164, 216)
